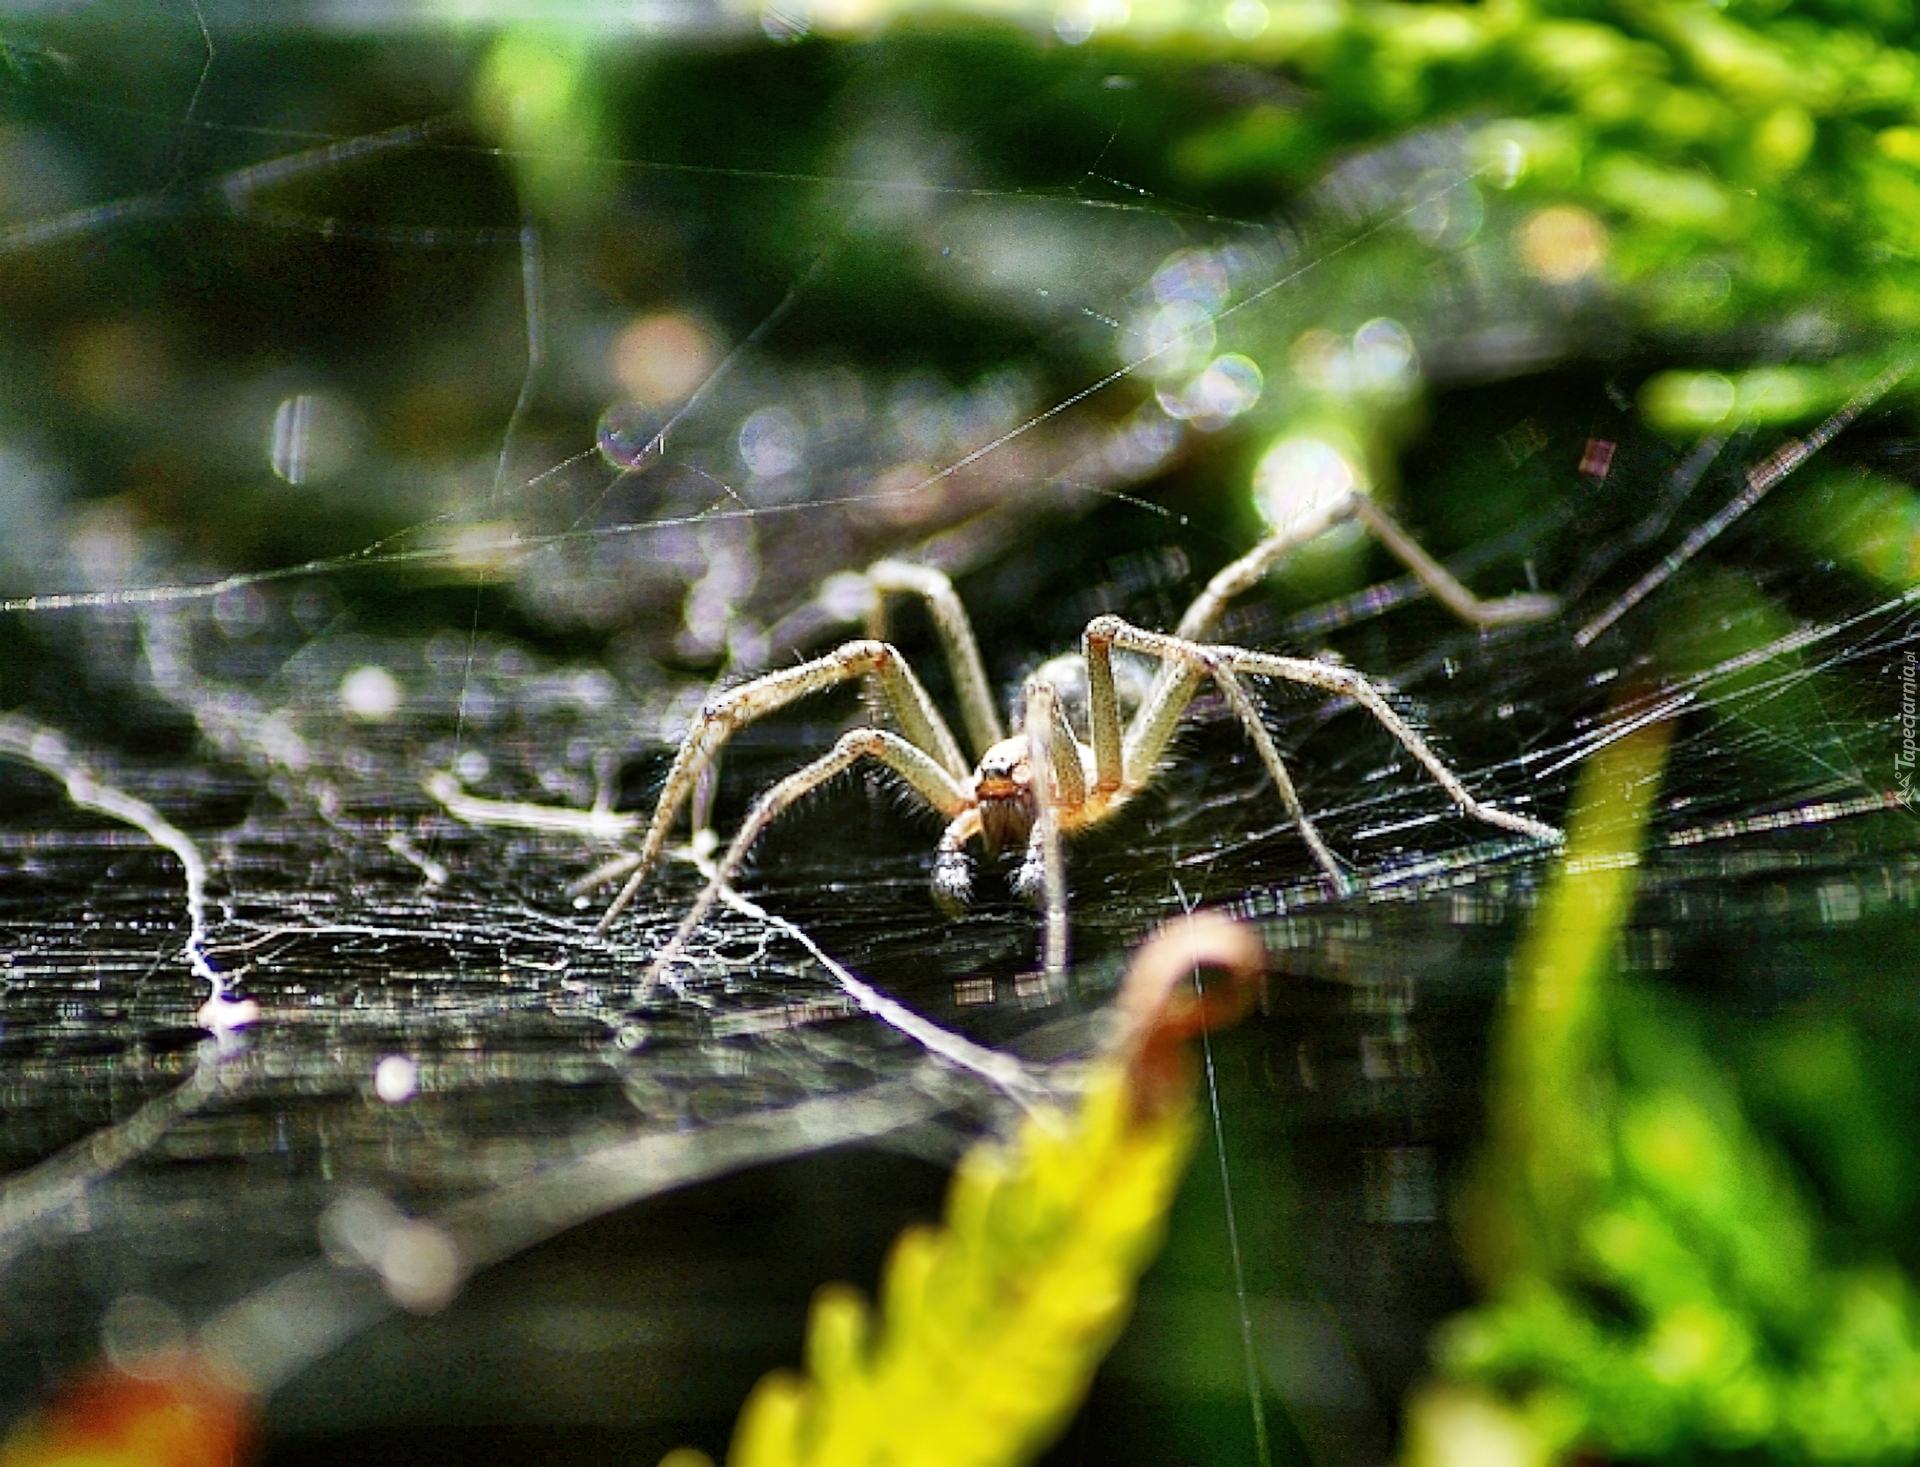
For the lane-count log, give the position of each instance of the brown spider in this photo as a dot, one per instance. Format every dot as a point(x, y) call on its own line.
point(1046, 781)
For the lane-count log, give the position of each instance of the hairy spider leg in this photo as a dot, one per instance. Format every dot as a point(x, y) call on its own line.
point(964, 664)
point(1124, 761)
point(1124, 764)
point(923, 774)
point(1060, 783)
point(722, 716)
point(1203, 617)
point(977, 708)
point(962, 649)
point(1237, 577)
point(1153, 726)
point(1482, 613)
point(1052, 747)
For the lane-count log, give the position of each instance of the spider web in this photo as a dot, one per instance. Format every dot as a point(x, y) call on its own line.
point(393, 640)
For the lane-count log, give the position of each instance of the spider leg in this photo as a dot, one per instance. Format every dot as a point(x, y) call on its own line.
point(1050, 747)
point(977, 710)
point(962, 648)
point(1203, 617)
point(1146, 742)
point(923, 774)
point(723, 715)
point(1355, 685)
point(952, 871)
point(1153, 726)
point(1250, 720)
point(1058, 753)
point(1173, 688)
point(1445, 586)
point(1103, 717)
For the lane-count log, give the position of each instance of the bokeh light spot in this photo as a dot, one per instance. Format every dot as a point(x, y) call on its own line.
point(1562, 245)
point(142, 1337)
point(1383, 356)
point(396, 1079)
point(314, 437)
point(370, 693)
point(659, 359)
point(1302, 479)
point(772, 443)
point(1246, 19)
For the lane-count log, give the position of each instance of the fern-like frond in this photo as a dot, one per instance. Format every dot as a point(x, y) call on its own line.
point(990, 1327)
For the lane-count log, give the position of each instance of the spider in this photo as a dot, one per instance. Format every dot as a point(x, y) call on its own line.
point(1051, 778)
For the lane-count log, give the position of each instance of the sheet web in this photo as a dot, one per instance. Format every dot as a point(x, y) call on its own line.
point(393, 754)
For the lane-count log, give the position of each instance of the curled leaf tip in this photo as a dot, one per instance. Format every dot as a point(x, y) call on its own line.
point(1164, 1003)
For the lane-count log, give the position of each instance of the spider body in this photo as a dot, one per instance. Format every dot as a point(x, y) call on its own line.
point(1001, 793)
point(1090, 734)
point(1002, 811)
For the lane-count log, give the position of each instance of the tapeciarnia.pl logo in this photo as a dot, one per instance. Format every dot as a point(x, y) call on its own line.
point(1909, 722)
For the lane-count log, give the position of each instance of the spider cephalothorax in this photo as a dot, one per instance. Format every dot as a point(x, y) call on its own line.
point(1004, 800)
point(1086, 739)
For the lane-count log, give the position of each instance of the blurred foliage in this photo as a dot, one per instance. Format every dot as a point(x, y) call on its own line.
point(173, 1416)
point(990, 1327)
point(1744, 162)
point(1659, 1281)
point(1738, 182)
point(1375, 201)
point(1866, 521)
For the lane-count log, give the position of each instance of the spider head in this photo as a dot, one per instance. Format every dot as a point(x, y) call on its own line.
point(1003, 791)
